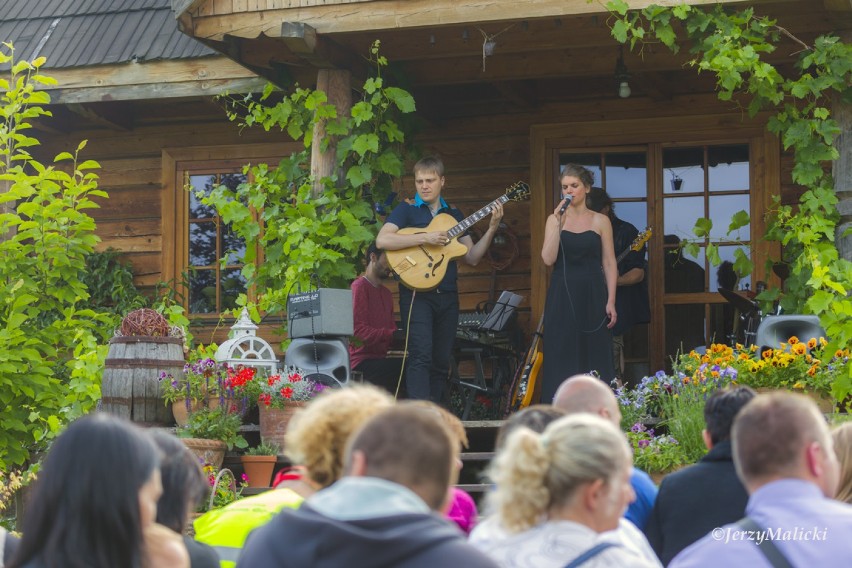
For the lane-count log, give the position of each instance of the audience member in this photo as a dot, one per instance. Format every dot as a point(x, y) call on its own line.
point(316, 438)
point(842, 437)
point(184, 488)
point(399, 468)
point(558, 491)
point(584, 393)
point(461, 508)
point(784, 456)
point(537, 418)
point(699, 498)
point(95, 502)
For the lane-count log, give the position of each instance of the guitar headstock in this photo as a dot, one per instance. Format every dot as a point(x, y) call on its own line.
point(641, 239)
point(518, 191)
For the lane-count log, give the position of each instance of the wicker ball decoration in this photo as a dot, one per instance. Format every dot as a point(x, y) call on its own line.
point(145, 322)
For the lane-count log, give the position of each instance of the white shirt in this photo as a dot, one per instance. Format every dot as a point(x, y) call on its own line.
point(555, 543)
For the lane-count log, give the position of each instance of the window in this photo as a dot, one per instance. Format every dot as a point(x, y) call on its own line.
point(202, 257)
point(215, 255)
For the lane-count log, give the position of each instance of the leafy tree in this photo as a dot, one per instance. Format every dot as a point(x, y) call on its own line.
point(732, 45)
point(305, 238)
point(53, 349)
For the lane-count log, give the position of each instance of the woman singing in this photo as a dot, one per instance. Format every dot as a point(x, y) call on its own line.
point(580, 307)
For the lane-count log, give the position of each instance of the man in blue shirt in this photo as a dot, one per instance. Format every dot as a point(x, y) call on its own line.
point(785, 457)
point(431, 318)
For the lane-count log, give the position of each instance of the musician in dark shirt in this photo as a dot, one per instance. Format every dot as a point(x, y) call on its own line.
point(430, 317)
point(631, 296)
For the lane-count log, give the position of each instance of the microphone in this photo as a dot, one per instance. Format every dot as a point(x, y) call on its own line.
point(568, 199)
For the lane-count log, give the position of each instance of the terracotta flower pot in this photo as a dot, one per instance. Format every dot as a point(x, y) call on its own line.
point(274, 421)
point(259, 469)
point(211, 451)
point(179, 408)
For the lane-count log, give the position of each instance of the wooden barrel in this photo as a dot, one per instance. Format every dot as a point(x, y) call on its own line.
point(131, 385)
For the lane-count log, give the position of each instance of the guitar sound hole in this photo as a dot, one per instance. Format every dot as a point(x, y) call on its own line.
point(426, 275)
point(429, 265)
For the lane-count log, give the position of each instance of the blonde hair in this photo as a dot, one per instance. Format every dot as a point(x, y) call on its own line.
point(317, 435)
point(842, 437)
point(535, 472)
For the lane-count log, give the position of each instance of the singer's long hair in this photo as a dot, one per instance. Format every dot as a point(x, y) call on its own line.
point(579, 172)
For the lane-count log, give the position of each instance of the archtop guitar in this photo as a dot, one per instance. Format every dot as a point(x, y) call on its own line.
point(423, 267)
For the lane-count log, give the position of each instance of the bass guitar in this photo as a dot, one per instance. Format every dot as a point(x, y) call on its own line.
point(525, 384)
point(423, 267)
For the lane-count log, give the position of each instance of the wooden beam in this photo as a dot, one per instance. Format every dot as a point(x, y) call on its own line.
point(517, 93)
point(838, 5)
point(103, 116)
point(156, 79)
point(398, 14)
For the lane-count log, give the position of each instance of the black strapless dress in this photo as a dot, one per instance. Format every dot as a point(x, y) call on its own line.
point(576, 339)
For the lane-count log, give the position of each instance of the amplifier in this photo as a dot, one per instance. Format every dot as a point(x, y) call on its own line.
point(322, 312)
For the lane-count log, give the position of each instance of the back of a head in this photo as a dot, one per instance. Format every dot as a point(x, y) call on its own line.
point(535, 472)
point(411, 447)
point(598, 199)
point(584, 393)
point(770, 435)
point(184, 483)
point(721, 409)
point(842, 437)
point(317, 436)
point(536, 417)
point(450, 420)
point(86, 501)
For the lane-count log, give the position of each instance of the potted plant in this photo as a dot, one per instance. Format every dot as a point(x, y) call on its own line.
point(211, 431)
point(201, 385)
point(278, 398)
point(259, 463)
point(657, 455)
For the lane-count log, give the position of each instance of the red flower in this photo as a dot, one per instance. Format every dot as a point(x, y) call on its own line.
point(272, 379)
point(295, 378)
point(287, 392)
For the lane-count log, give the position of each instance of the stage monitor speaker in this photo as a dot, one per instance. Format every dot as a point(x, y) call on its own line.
point(323, 360)
point(775, 330)
point(320, 313)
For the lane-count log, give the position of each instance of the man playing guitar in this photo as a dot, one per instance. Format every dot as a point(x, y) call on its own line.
point(430, 317)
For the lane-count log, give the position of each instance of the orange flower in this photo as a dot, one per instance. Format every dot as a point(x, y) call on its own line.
point(793, 340)
point(799, 348)
point(812, 371)
point(812, 343)
point(767, 354)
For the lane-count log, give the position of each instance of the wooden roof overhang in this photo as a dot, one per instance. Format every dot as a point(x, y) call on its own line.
point(545, 50)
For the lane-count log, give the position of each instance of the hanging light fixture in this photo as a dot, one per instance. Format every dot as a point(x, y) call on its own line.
point(621, 76)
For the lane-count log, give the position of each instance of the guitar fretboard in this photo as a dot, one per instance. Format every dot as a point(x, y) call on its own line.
point(475, 218)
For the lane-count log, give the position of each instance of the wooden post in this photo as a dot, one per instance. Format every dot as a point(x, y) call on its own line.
point(336, 84)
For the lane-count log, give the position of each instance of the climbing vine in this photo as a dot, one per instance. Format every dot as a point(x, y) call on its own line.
point(732, 45)
point(307, 238)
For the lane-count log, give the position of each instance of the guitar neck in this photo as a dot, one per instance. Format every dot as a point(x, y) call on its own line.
point(475, 218)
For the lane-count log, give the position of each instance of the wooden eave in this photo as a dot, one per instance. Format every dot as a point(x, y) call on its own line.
point(215, 19)
point(152, 80)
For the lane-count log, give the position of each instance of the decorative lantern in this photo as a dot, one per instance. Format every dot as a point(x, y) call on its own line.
point(246, 348)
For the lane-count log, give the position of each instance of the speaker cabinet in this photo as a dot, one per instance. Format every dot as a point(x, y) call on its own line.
point(775, 330)
point(319, 313)
point(325, 360)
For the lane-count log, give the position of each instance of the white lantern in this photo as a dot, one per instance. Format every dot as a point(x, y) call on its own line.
point(245, 348)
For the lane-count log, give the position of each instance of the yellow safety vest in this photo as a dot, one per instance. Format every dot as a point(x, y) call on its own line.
point(227, 529)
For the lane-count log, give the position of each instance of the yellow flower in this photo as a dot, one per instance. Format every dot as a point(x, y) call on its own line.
point(739, 346)
point(812, 371)
point(822, 342)
point(743, 357)
point(799, 385)
point(838, 353)
point(793, 340)
point(812, 343)
point(767, 354)
point(799, 348)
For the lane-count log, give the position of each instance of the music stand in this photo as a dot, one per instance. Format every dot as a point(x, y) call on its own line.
point(503, 309)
